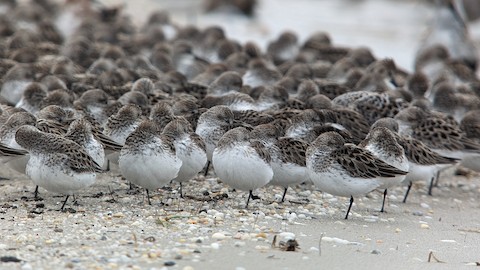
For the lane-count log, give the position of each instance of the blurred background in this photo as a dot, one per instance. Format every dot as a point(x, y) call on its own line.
point(391, 28)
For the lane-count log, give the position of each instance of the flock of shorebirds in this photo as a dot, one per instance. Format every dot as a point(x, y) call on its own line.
point(81, 86)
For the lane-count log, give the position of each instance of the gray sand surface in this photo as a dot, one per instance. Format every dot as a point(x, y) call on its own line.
point(112, 229)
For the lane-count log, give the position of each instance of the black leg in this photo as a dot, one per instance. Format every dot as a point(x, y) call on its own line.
point(408, 191)
point(64, 202)
point(206, 168)
point(437, 178)
point(35, 193)
point(349, 207)
point(181, 190)
point(131, 185)
point(430, 187)
point(284, 193)
point(148, 197)
point(248, 199)
point(383, 203)
point(108, 165)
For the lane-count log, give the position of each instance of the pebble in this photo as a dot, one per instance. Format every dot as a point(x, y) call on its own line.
point(242, 236)
point(261, 235)
point(49, 241)
point(376, 251)
point(215, 245)
point(424, 226)
point(218, 236)
point(417, 213)
point(340, 241)
point(118, 215)
point(371, 220)
point(30, 247)
point(424, 205)
point(262, 247)
point(169, 263)
point(448, 241)
point(150, 239)
point(219, 216)
point(305, 193)
point(9, 259)
point(292, 217)
point(188, 267)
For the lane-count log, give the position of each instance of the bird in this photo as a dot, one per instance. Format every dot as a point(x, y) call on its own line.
point(57, 164)
point(32, 97)
point(148, 158)
point(424, 163)
point(211, 126)
point(189, 148)
point(14, 122)
point(124, 122)
point(241, 163)
point(345, 169)
point(439, 133)
point(287, 156)
point(80, 131)
point(381, 142)
point(470, 124)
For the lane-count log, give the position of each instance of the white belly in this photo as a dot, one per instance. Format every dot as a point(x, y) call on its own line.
point(239, 171)
point(193, 161)
point(389, 182)
point(418, 172)
point(96, 151)
point(207, 134)
point(149, 171)
point(57, 179)
point(287, 174)
point(341, 184)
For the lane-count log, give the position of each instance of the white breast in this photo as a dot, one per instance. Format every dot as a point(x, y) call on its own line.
point(56, 177)
point(193, 159)
point(151, 169)
point(240, 168)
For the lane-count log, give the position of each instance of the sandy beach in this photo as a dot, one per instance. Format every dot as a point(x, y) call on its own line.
point(113, 229)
